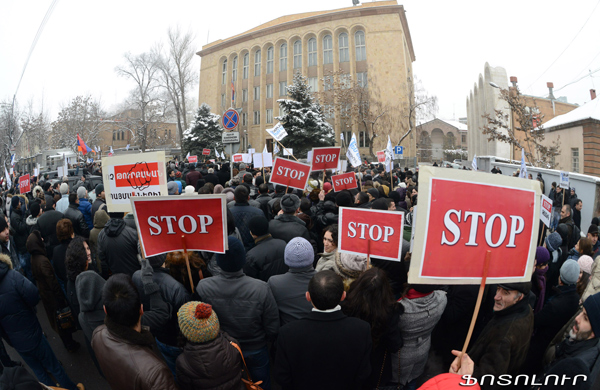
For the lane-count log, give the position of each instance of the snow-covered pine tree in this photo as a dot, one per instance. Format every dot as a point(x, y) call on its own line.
point(303, 119)
point(204, 132)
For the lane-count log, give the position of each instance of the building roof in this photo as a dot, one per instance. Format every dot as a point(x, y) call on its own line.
point(456, 124)
point(590, 110)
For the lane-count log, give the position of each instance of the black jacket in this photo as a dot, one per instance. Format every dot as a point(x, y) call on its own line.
point(46, 224)
point(118, 248)
point(323, 351)
point(286, 227)
point(58, 260)
point(263, 200)
point(211, 178)
point(21, 231)
point(98, 203)
point(79, 225)
point(266, 258)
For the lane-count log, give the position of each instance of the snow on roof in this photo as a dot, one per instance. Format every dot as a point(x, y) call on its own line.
point(457, 124)
point(590, 110)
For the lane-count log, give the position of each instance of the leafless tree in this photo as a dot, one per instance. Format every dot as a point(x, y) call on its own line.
point(10, 130)
point(36, 130)
point(83, 115)
point(420, 107)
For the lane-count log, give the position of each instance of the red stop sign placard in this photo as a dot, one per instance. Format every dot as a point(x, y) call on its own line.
point(163, 220)
point(290, 173)
point(206, 152)
point(366, 232)
point(381, 156)
point(24, 184)
point(345, 181)
point(193, 159)
point(325, 158)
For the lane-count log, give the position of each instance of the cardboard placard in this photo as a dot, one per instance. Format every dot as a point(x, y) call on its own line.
point(205, 152)
point(237, 158)
point(546, 210)
point(376, 233)
point(564, 180)
point(142, 174)
point(381, 156)
point(163, 220)
point(290, 173)
point(262, 160)
point(345, 181)
point(325, 158)
point(24, 184)
point(193, 159)
point(462, 215)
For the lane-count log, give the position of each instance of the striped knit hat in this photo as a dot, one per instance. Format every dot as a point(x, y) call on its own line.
point(198, 322)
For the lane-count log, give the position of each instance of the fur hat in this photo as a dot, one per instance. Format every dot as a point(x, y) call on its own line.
point(349, 266)
point(569, 272)
point(553, 241)
point(299, 253)
point(198, 322)
point(234, 258)
point(290, 203)
point(585, 264)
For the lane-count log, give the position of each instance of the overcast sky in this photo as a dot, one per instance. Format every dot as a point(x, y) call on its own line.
point(83, 41)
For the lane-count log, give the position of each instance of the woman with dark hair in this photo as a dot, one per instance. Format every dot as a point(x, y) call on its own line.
point(330, 240)
point(175, 262)
point(77, 259)
point(64, 233)
point(370, 298)
point(583, 247)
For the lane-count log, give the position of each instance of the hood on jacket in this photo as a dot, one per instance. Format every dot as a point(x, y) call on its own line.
point(100, 219)
point(114, 227)
point(35, 244)
point(89, 286)
point(5, 265)
point(30, 221)
point(330, 207)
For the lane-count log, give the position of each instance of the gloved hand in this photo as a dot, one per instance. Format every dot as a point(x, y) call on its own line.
point(149, 286)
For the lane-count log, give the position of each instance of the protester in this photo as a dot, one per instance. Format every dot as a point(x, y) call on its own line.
point(72, 212)
point(585, 271)
point(19, 226)
point(538, 279)
point(287, 225)
point(267, 257)
point(330, 240)
point(46, 224)
point(242, 213)
point(118, 247)
point(100, 220)
point(100, 201)
point(176, 264)
point(85, 206)
point(63, 203)
point(349, 267)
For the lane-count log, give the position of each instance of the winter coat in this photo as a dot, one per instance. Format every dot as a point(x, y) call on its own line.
point(287, 226)
point(99, 204)
point(21, 230)
point(420, 316)
point(80, 227)
point(31, 224)
point(88, 287)
point(100, 220)
point(263, 201)
point(18, 299)
point(50, 291)
point(324, 214)
point(130, 359)
point(86, 209)
point(214, 365)
point(211, 178)
point(266, 258)
point(9, 249)
point(242, 214)
point(63, 203)
point(192, 177)
point(118, 248)
point(233, 293)
point(326, 261)
point(46, 224)
point(289, 291)
point(58, 260)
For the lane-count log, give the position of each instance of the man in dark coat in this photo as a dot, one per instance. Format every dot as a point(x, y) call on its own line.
point(266, 258)
point(211, 177)
point(192, 176)
point(100, 202)
point(46, 224)
point(242, 213)
point(326, 349)
point(574, 232)
point(80, 227)
point(502, 346)
point(263, 199)
point(118, 247)
point(223, 174)
point(20, 230)
point(287, 225)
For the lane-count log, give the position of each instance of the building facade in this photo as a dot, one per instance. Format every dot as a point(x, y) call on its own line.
point(438, 135)
point(250, 71)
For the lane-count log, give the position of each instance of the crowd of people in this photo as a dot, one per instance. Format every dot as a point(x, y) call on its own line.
point(282, 308)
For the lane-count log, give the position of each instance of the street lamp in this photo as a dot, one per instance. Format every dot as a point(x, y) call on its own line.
point(493, 84)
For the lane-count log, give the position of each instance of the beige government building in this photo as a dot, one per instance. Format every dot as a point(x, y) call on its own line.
point(369, 42)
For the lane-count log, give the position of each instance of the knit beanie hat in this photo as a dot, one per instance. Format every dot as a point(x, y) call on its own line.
point(81, 192)
point(3, 223)
point(64, 188)
point(585, 264)
point(198, 322)
point(299, 253)
point(234, 258)
point(349, 266)
point(172, 187)
point(327, 187)
point(542, 256)
point(374, 193)
point(569, 272)
point(35, 209)
point(259, 226)
point(99, 189)
point(592, 307)
point(290, 203)
point(553, 241)
point(14, 203)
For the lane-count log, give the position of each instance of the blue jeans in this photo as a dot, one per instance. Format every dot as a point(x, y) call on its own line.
point(42, 358)
point(170, 354)
point(258, 365)
point(25, 262)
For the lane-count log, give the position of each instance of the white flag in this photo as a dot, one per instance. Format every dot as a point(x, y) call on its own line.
point(342, 136)
point(222, 155)
point(111, 151)
point(12, 160)
point(474, 163)
point(277, 132)
point(216, 153)
point(127, 147)
point(352, 154)
point(523, 172)
point(8, 182)
point(188, 156)
point(265, 149)
point(275, 149)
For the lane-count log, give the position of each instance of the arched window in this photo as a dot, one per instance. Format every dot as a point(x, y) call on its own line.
point(344, 52)
point(297, 54)
point(257, 63)
point(224, 73)
point(270, 55)
point(312, 52)
point(234, 71)
point(327, 49)
point(246, 61)
point(283, 57)
point(361, 49)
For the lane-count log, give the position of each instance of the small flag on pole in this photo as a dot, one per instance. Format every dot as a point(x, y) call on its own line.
point(127, 147)
point(82, 147)
point(523, 172)
point(474, 163)
point(188, 156)
point(265, 149)
point(276, 149)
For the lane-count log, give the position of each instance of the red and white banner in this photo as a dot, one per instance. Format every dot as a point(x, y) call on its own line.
point(193, 159)
point(24, 184)
point(238, 158)
point(345, 181)
point(290, 173)
point(325, 158)
point(546, 210)
point(464, 214)
point(381, 156)
point(376, 233)
point(166, 223)
point(206, 152)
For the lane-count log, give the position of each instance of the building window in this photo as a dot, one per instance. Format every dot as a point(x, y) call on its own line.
point(257, 63)
point(244, 95)
point(269, 115)
point(344, 52)
point(463, 138)
point(347, 137)
point(282, 88)
point(283, 57)
point(361, 79)
point(246, 61)
point(328, 111)
point(244, 119)
point(345, 81)
point(363, 140)
point(361, 49)
point(114, 136)
point(574, 159)
point(234, 70)
point(222, 100)
point(269, 91)
point(312, 52)
point(257, 93)
point(327, 83)
point(224, 73)
point(270, 55)
point(313, 84)
point(327, 50)
point(297, 54)
point(122, 135)
point(257, 117)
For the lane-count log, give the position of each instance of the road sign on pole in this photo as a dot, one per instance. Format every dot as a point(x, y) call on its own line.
point(399, 150)
point(230, 137)
point(230, 119)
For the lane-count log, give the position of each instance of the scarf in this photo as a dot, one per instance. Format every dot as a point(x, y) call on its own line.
point(540, 276)
point(414, 294)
